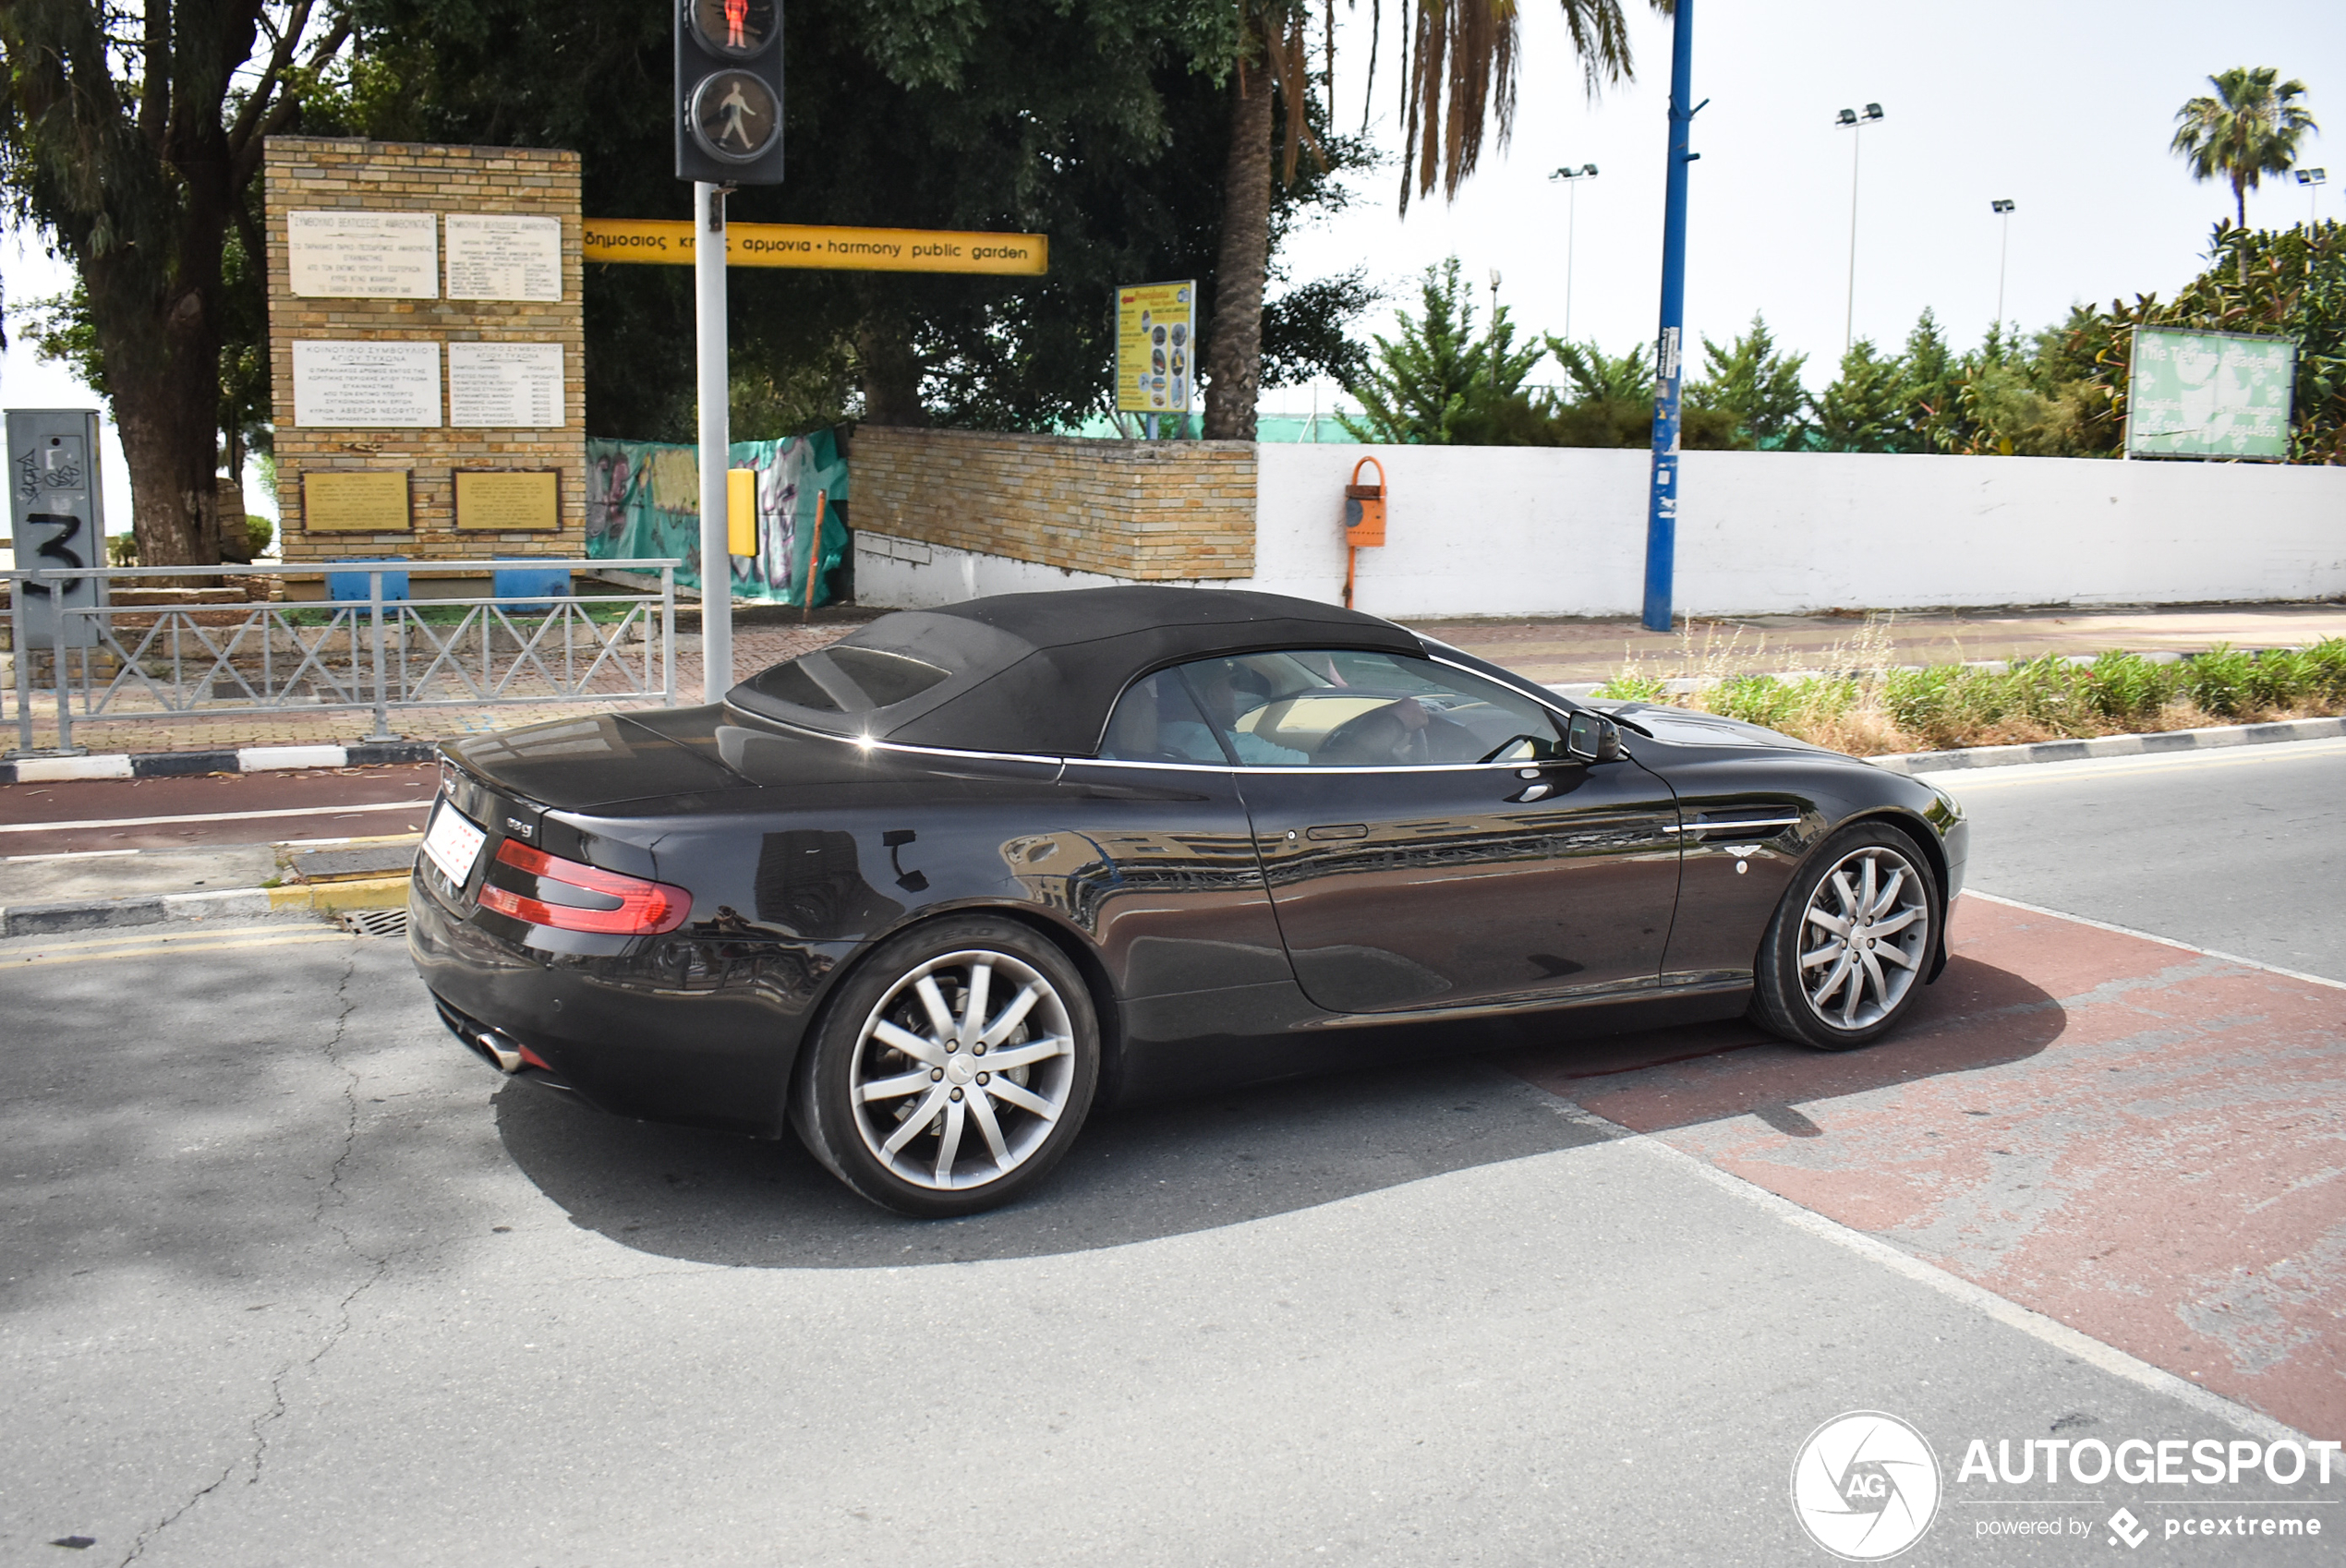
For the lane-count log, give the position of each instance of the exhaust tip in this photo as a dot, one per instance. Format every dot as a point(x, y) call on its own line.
point(503, 1053)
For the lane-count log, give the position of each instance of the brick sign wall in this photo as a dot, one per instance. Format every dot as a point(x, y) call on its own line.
point(424, 318)
point(1176, 511)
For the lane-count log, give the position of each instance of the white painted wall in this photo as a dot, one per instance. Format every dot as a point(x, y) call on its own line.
point(1561, 531)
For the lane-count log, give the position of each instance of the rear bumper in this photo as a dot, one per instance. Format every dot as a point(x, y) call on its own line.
point(685, 1029)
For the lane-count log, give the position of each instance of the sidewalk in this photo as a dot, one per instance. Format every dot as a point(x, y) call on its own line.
point(1556, 650)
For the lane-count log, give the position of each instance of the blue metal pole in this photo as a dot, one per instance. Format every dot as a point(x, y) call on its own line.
point(1662, 516)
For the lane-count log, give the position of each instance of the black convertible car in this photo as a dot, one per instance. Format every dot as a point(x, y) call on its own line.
point(932, 893)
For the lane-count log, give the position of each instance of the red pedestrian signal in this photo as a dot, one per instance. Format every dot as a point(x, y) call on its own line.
point(729, 92)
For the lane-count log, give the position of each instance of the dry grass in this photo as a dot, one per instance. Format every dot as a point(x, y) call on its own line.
point(1854, 699)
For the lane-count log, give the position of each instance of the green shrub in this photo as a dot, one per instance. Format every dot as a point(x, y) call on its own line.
point(122, 550)
point(2127, 686)
point(1756, 699)
point(2326, 669)
point(259, 531)
point(2219, 680)
point(1627, 688)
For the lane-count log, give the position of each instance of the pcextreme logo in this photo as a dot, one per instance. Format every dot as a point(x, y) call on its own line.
point(1865, 1486)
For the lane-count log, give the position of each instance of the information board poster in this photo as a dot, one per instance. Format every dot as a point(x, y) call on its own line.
point(1155, 347)
point(348, 255)
point(2208, 394)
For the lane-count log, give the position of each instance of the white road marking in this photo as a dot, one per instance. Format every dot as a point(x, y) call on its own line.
point(414, 806)
point(73, 855)
point(2049, 1330)
point(2162, 941)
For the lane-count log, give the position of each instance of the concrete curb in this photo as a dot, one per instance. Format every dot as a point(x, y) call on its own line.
point(243, 759)
point(2115, 746)
point(311, 898)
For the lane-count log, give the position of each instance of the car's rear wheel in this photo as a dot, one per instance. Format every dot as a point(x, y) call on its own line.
point(952, 1069)
point(1843, 958)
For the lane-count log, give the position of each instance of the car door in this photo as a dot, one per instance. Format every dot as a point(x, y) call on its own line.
point(1427, 843)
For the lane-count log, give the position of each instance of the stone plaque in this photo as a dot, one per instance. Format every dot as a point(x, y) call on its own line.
point(505, 385)
point(339, 254)
point(508, 502)
point(385, 385)
point(372, 500)
point(504, 256)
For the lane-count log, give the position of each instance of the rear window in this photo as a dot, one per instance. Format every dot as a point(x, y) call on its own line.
point(846, 680)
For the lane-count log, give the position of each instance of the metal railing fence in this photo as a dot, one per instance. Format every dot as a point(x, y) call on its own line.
point(125, 662)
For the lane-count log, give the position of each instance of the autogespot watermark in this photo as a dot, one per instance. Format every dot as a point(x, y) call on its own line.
point(1866, 1485)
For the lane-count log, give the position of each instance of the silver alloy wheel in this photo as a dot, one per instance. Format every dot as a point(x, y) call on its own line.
point(962, 1070)
point(1872, 913)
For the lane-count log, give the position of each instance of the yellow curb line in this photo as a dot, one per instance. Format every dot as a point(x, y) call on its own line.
point(325, 898)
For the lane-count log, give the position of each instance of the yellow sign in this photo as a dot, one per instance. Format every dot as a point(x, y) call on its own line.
point(741, 512)
point(1155, 347)
point(508, 500)
point(371, 500)
point(660, 241)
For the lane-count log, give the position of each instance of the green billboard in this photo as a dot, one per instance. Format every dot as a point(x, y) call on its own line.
point(2208, 394)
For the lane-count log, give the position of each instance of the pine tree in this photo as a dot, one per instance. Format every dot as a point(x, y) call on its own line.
point(1758, 386)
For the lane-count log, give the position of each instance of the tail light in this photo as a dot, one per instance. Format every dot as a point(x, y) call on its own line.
point(569, 895)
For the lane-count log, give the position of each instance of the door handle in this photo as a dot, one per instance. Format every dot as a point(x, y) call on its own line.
point(1530, 792)
point(1338, 830)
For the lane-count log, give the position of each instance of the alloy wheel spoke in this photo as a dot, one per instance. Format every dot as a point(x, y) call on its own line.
point(949, 1147)
point(1853, 996)
point(894, 1088)
point(1849, 904)
point(910, 1127)
point(1024, 1055)
point(1833, 981)
point(913, 1045)
point(1888, 899)
point(1822, 955)
point(1891, 925)
point(1865, 899)
point(1880, 982)
point(1011, 1016)
point(1026, 1100)
point(981, 1105)
point(1897, 955)
point(973, 1004)
point(940, 1017)
point(1830, 922)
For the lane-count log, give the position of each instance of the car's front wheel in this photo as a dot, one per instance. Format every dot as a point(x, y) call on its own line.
point(952, 1069)
point(1843, 958)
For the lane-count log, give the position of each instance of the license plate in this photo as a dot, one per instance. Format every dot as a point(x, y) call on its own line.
point(454, 843)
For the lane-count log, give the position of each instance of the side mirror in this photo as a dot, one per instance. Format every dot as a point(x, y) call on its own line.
point(1592, 738)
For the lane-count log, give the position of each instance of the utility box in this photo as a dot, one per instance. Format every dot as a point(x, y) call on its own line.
point(56, 521)
point(1365, 508)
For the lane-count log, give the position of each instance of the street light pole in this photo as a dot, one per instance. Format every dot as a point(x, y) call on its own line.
point(715, 441)
point(1571, 178)
point(1850, 120)
point(1662, 513)
point(2003, 253)
point(2312, 180)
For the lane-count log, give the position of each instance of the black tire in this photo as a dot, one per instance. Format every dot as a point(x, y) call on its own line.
point(981, 1136)
point(1900, 935)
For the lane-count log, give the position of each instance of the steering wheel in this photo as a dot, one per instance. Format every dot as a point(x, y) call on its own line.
point(1375, 736)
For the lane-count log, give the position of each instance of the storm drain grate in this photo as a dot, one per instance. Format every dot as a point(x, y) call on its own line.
point(375, 923)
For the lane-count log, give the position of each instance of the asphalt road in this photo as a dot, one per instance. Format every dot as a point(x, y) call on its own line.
point(214, 809)
point(2242, 850)
point(286, 1277)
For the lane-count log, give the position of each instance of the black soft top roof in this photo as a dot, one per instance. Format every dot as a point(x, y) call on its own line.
point(1036, 673)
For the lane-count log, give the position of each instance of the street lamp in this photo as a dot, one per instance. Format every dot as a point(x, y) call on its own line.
point(2311, 179)
point(1851, 120)
point(2003, 251)
point(1571, 178)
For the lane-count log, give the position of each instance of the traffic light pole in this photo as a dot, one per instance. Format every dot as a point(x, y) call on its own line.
point(716, 442)
point(1662, 514)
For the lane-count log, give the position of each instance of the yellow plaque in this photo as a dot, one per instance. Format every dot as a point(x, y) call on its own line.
point(508, 502)
point(817, 246)
point(370, 501)
point(1155, 347)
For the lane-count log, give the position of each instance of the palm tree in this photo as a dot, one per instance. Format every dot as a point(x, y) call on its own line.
point(2248, 130)
point(1459, 64)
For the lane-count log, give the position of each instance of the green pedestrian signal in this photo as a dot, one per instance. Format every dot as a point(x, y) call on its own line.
point(729, 92)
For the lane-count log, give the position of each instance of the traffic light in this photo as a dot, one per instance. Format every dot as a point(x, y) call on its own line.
point(729, 92)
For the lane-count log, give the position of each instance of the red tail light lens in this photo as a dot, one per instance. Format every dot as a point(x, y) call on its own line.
point(636, 907)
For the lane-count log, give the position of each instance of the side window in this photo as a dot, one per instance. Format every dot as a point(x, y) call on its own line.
point(1341, 708)
point(1156, 722)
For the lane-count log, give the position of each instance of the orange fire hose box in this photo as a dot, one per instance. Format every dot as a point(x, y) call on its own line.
point(1364, 507)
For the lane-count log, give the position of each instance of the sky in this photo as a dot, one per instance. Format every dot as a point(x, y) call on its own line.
point(2062, 106)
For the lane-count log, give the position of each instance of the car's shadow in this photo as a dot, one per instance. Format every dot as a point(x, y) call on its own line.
point(1168, 1170)
point(1134, 1175)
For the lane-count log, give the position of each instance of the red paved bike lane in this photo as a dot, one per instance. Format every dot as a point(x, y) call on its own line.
point(2143, 1141)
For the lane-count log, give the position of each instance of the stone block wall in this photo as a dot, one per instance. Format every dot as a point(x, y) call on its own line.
point(1144, 510)
point(315, 174)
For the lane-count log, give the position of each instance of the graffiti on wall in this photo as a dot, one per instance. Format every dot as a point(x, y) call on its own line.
point(642, 501)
